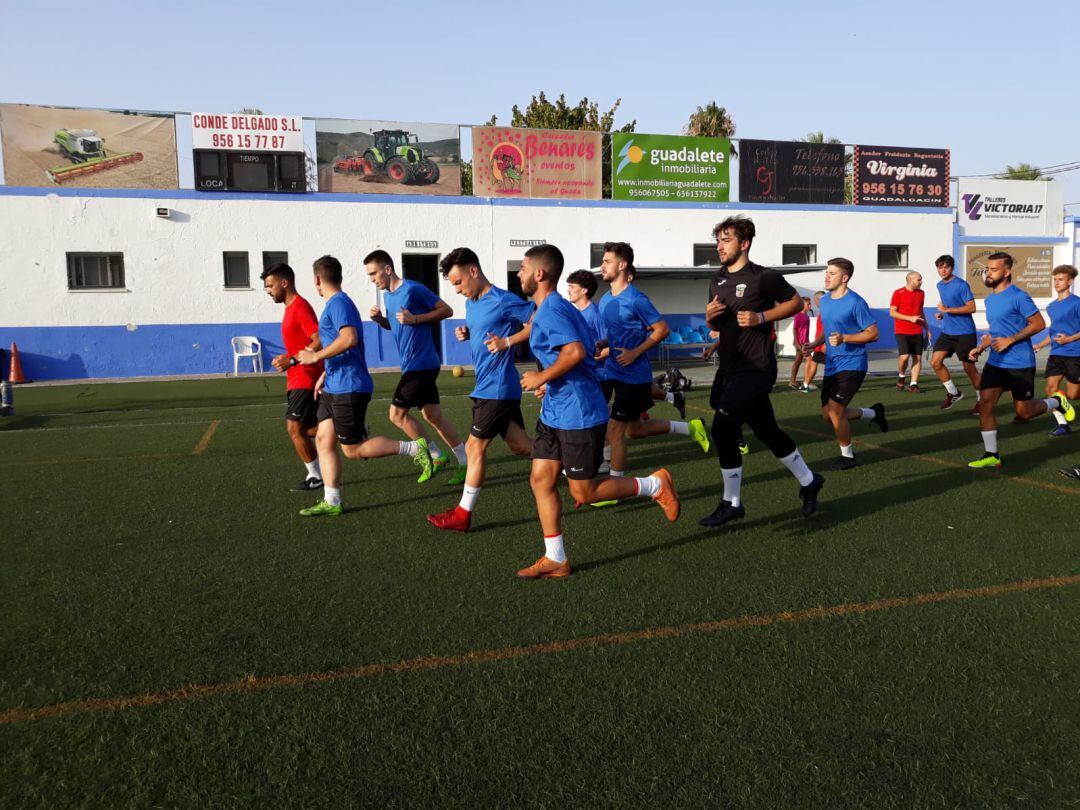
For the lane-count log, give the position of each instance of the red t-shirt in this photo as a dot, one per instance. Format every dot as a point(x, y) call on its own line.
point(297, 327)
point(908, 302)
point(819, 330)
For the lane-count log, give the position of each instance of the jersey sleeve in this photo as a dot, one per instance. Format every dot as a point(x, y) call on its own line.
point(560, 329)
point(776, 288)
point(425, 297)
point(1025, 306)
point(645, 310)
point(862, 316)
point(517, 309)
point(966, 294)
point(895, 300)
point(307, 321)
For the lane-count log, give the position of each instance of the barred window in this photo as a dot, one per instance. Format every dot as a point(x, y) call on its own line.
point(95, 271)
point(892, 257)
point(799, 254)
point(237, 273)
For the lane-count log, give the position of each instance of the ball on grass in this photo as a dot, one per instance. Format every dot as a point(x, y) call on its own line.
point(457, 371)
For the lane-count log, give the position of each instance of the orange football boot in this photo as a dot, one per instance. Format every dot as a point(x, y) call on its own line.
point(667, 497)
point(545, 568)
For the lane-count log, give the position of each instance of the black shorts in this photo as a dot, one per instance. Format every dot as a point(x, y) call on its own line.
point(910, 344)
point(1061, 366)
point(841, 387)
point(416, 389)
point(608, 387)
point(301, 406)
point(960, 345)
point(493, 417)
point(1020, 382)
point(349, 412)
point(738, 394)
point(631, 401)
point(581, 452)
point(818, 357)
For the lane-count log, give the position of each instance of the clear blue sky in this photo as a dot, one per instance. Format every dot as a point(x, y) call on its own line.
point(995, 82)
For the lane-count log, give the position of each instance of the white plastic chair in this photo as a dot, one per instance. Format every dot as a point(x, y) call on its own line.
point(247, 347)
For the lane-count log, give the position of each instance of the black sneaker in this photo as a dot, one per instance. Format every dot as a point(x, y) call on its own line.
point(879, 417)
point(680, 403)
point(1071, 472)
point(724, 513)
point(308, 484)
point(809, 494)
point(844, 463)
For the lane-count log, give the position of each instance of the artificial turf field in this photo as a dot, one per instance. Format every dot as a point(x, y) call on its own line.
point(174, 635)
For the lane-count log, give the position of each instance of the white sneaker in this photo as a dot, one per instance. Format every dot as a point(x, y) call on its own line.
point(604, 468)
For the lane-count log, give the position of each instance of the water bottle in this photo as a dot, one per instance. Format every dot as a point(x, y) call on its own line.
point(7, 399)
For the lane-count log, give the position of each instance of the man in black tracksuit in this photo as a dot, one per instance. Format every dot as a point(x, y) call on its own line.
point(745, 299)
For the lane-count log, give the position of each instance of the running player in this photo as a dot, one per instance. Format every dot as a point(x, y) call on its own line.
point(299, 330)
point(633, 327)
point(1063, 338)
point(957, 304)
point(344, 391)
point(816, 358)
point(1013, 319)
point(491, 314)
point(573, 417)
point(412, 311)
point(744, 300)
point(909, 325)
point(848, 327)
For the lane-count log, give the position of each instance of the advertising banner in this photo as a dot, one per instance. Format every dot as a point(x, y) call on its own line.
point(791, 172)
point(897, 175)
point(247, 133)
point(990, 207)
point(546, 163)
point(388, 157)
point(87, 148)
point(1032, 266)
point(669, 167)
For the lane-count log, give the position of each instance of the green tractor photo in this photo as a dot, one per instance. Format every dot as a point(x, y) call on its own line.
point(395, 154)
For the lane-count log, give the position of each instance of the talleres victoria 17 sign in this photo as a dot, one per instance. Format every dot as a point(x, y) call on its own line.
point(896, 175)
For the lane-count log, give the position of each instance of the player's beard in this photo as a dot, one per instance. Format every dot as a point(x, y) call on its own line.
point(727, 261)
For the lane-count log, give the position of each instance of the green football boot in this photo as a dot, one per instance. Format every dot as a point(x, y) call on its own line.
point(422, 459)
point(1066, 407)
point(603, 504)
point(699, 434)
point(460, 471)
point(989, 461)
point(322, 508)
point(744, 448)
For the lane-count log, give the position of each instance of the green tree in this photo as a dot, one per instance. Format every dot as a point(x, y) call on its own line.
point(466, 177)
point(710, 121)
point(819, 137)
point(541, 113)
point(249, 111)
point(1022, 171)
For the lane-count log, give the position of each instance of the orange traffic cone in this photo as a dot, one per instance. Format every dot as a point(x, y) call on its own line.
point(15, 373)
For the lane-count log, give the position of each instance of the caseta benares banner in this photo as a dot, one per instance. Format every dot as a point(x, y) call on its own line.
point(544, 163)
point(669, 167)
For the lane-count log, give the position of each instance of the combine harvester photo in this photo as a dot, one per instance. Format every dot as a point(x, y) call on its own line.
point(86, 151)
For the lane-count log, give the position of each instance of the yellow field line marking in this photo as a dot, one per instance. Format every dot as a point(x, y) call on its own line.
point(252, 683)
point(204, 442)
point(892, 451)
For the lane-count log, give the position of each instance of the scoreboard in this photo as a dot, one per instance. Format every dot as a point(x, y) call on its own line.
point(247, 152)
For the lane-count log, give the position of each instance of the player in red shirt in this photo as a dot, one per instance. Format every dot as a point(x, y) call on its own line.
point(299, 330)
point(909, 321)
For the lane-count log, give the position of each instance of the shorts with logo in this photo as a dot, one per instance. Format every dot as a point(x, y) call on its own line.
point(841, 387)
point(417, 388)
point(1060, 366)
point(581, 452)
point(493, 417)
point(1020, 382)
point(349, 412)
point(910, 344)
point(301, 406)
point(631, 401)
point(960, 345)
point(740, 394)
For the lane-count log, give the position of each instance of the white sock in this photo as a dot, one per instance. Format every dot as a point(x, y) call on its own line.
point(607, 453)
point(1059, 417)
point(978, 394)
point(553, 548)
point(990, 441)
point(682, 428)
point(867, 413)
point(951, 388)
point(407, 448)
point(669, 397)
point(647, 487)
point(468, 498)
point(617, 473)
point(1052, 404)
point(797, 467)
point(313, 470)
point(732, 485)
point(435, 450)
point(332, 496)
point(459, 454)
point(846, 451)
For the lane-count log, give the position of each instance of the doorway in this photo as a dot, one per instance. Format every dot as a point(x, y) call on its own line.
point(424, 268)
point(513, 284)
